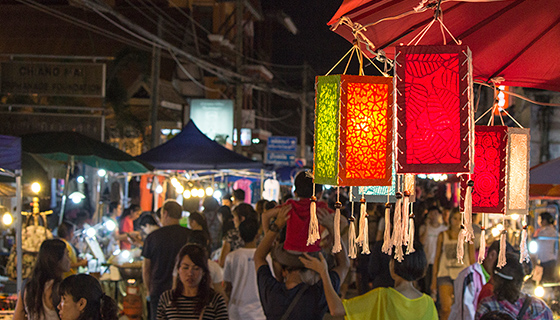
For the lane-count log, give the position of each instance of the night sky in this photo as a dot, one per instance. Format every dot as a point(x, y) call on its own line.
point(314, 43)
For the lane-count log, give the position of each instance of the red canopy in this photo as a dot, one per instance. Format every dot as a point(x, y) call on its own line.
point(518, 40)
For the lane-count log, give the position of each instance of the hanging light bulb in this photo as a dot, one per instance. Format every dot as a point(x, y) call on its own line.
point(80, 179)
point(7, 219)
point(159, 189)
point(187, 194)
point(35, 187)
point(101, 172)
point(179, 188)
point(209, 191)
point(174, 182)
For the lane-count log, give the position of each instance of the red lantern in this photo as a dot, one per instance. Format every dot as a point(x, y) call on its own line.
point(488, 195)
point(434, 109)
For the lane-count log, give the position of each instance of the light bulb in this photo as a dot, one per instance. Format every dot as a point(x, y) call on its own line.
point(533, 247)
point(7, 219)
point(80, 179)
point(187, 194)
point(159, 189)
point(110, 225)
point(101, 172)
point(90, 232)
point(179, 188)
point(539, 291)
point(209, 191)
point(35, 187)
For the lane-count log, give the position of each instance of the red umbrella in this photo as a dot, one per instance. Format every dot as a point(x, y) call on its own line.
point(518, 40)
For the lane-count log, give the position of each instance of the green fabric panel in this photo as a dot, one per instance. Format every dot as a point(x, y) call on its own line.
point(327, 106)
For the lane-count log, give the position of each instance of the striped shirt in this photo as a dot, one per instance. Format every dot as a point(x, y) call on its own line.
point(184, 308)
point(538, 310)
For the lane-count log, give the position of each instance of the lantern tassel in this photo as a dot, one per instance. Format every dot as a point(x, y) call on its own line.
point(361, 225)
point(502, 253)
point(405, 209)
point(482, 249)
point(387, 243)
point(397, 228)
point(410, 248)
point(313, 235)
point(352, 248)
point(365, 244)
point(461, 246)
point(467, 213)
point(524, 254)
point(337, 246)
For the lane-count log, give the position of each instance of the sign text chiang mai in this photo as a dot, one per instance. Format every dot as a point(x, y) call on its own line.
point(53, 79)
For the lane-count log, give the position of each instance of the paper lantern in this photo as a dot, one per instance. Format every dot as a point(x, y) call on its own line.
point(434, 109)
point(353, 130)
point(518, 170)
point(488, 195)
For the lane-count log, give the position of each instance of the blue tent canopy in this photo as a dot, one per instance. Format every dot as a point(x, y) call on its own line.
point(10, 153)
point(193, 150)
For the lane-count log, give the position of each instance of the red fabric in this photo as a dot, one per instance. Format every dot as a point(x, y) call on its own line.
point(486, 291)
point(297, 227)
point(504, 36)
point(489, 175)
point(365, 131)
point(126, 225)
point(433, 122)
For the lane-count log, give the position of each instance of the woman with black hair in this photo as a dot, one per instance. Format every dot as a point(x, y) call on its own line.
point(507, 296)
point(192, 296)
point(39, 296)
point(83, 299)
point(198, 222)
point(403, 301)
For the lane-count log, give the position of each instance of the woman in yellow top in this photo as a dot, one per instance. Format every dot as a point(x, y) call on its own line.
point(403, 301)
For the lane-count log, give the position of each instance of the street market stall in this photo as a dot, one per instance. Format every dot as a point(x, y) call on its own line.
point(10, 166)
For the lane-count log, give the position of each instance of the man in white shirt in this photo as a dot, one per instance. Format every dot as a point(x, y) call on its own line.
point(240, 276)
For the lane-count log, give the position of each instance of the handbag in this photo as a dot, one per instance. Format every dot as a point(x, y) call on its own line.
point(32, 237)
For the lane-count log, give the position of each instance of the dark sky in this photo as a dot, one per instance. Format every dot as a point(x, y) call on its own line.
point(314, 43)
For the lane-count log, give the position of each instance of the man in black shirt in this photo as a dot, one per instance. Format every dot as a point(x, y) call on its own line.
point(160, 251)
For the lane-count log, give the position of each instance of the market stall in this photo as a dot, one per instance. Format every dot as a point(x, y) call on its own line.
point(10, 166)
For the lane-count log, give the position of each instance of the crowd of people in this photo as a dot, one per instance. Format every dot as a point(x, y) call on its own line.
point(239, 261)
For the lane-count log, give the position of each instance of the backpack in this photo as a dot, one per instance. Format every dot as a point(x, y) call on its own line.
point(32, 237)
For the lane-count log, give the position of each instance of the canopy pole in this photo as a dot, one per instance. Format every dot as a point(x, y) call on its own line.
point(125, 191)
point(65, 194)
point(262, 182)
point(19, 253)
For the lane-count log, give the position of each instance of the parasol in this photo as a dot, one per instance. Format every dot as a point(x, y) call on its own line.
point(61, 146)
point(516, 40)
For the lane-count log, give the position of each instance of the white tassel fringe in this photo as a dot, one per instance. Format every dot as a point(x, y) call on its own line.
point(337, 246)
point(502, 253)
point(482, 249)
point(352, 248)
point(410, 248)
point(387, 243)
point(461, 246)
point(313, 234)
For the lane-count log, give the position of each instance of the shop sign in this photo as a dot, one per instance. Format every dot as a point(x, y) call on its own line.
point(279, 143)
point(53, 78)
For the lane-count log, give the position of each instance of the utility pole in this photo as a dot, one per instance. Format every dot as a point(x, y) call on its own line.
point(303, 124)
point(238, 108)
point(156, 58)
